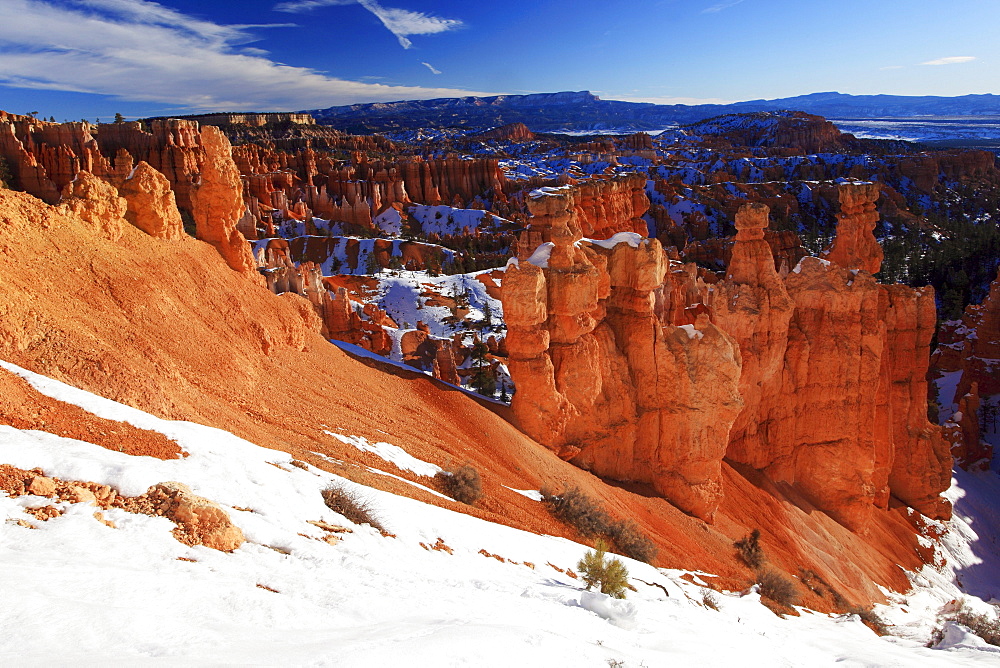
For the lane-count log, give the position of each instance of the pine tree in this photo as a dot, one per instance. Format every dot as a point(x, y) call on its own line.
point(609, 575)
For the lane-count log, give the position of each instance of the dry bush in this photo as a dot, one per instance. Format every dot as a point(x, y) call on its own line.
point(776, 587)
point(609, 575)
point(632, 542)
point(351, 505)
point(870, 619)
point(750, 550)
point(579, 511)
point(587, 516)
point(462, 484)
point(709, 599)
point(982, 625)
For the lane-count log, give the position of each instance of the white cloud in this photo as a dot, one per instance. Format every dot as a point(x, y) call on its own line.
point(400, 22)
point(951, 60)
point(433, 69)
point(715, 9)
point(141, 51)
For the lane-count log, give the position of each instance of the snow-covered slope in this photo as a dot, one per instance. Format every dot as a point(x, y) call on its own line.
point(80, 592)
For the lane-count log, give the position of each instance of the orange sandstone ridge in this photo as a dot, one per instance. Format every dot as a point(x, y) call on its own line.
point(815, 377)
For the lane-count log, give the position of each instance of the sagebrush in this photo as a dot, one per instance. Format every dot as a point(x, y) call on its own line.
point(351, 505)
point(587, 516)
point(776, 587)
point(462, 484)
point(609, 575)
point(750, 550)
point(983, 625)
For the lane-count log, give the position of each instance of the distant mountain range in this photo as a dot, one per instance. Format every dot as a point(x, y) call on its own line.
point(584, 111)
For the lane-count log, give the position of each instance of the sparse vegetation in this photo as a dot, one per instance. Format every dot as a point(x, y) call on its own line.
point(750, 550)
point(587, 516)
point(983, 625)
point(609, 575)
point(352, 506)
point(462, 484)
point(870, 619)
point(776, 587)
point(709, 599)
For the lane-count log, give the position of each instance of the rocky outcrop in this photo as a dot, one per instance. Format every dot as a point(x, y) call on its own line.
point(510, 132)
point(641, 372)
point(199, 520)
point(834, 372)
point(601, 380)
point(218, 204)
point(151, 203)
point(97, 203)
point(608, 206)
point(753, 306)
point(855, 246)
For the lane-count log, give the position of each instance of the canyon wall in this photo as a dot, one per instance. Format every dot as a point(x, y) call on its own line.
point(643, 372)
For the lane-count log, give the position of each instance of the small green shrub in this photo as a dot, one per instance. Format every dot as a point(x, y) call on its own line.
point(776, 587)
point(352, 506)
point(462, 484)
point(609, 575)
point(750, 550)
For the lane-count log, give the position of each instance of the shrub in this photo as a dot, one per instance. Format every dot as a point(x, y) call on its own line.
point(870, 619)
point(609, 575)
point(777, 587)
point(982, 625)
point(587, 516)
point(750, 550)
point(462, 484)
point(632, 542)
point(709, 599)
point(579, 511)
point(352, 506)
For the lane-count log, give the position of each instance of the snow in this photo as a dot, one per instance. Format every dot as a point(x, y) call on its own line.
point(631, 238)
point(692, 332)
point(540, 256)
point(390, 453)
point(78, 592)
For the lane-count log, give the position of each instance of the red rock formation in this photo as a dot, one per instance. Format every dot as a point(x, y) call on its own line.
point(97, 203)
point(172, 147)
point(608, 206)
point(151, 204)
point(854, 246)
point(511, 132)
point(218, 204)
point(834, 374)
point(753, 306)
point(601, 380)
point(831, 394)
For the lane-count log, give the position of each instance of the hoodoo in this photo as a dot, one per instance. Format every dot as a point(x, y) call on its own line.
point(601, 379)
point(814, 376)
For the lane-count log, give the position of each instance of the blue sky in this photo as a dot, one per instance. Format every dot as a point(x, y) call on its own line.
point(91, 58)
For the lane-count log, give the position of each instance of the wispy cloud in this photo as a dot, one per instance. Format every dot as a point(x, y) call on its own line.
point(142, 51)
point(400, 22)
point(950, 60)
point(433, 69)
point(715, 9)
point(892, 67)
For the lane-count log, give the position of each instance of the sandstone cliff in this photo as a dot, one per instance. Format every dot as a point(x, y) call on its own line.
point(815, 376)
